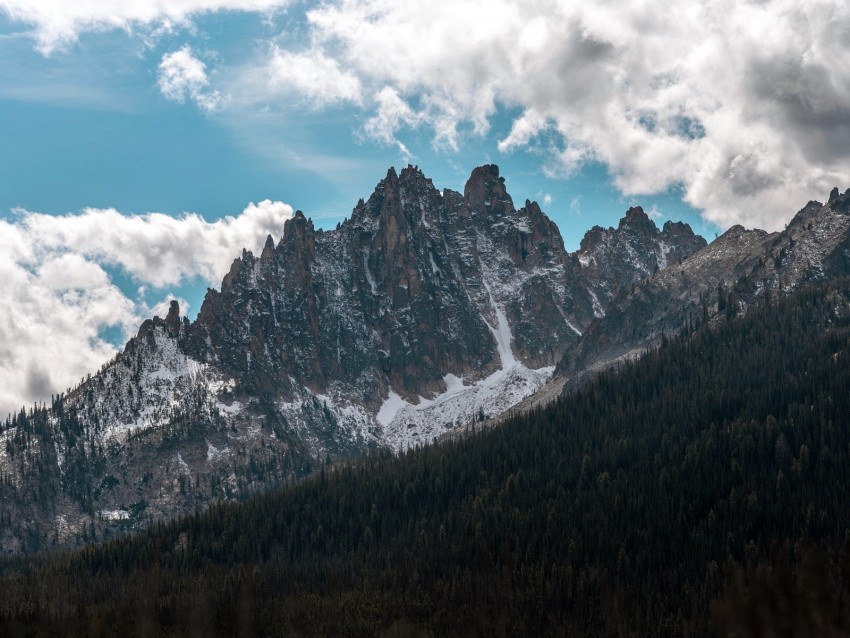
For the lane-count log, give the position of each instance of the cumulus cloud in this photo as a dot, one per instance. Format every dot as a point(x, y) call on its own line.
point(745, 104)
point(57, 23)
point(181, 75)
point(157, 248)
point(59, 297)
point(313, 75)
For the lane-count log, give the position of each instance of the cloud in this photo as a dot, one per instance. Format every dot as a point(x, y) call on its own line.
point(313, 75)
point(524, 128)
point(59, 296)
point(393, 114)
point(157, 248)
point(57, 23)
point(181, 75)
point(54, 313)
point(741, 103)
point(575, 205)
point(745, 104)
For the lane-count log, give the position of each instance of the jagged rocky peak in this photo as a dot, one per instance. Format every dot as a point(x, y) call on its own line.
point(638, 220)
point(422, 311)
point(298, 231)
point(268, 250)
point(836, 203)
point(614, 259)
point(297, 248)
point(537, 238)
point(746, 265)
point(173, 323)
point(485, 190)
point(833, 195)
point(840, 203)
point(172, 319)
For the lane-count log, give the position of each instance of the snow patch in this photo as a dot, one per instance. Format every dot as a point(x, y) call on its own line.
point(215, 454)
point(663, 250)
point(598, 310)
point(114, 515)
point(182, 465)
point(406, 425)
point(434, 268)
point(390, 407)
point(368, 272)
point(502, 331)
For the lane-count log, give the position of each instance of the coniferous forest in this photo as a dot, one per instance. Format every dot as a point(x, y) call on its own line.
point(702, 490)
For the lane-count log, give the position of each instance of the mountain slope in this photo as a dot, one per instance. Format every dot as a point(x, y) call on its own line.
point(611, 512)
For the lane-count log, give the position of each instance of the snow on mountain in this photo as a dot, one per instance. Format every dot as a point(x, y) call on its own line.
point(425, 311)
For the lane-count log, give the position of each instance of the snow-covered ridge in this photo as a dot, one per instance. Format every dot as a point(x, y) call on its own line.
point(146, 388)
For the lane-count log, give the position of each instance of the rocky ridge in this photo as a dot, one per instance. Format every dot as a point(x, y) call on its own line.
point(423, 311)
point(740, 268)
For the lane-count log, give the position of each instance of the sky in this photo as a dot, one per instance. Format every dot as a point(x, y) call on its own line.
point(145, 143)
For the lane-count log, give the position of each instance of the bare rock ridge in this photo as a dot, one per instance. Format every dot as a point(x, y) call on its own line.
point(411, 287)
point(740, 268)
point(423, 311)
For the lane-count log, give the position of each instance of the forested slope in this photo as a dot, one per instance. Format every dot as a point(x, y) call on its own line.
point(615, 511)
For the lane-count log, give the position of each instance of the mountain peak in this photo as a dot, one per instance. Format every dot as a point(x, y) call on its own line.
point(485, 189)
point(412, 172)
point(268, 249)
point(636, 218)
point(172, 320)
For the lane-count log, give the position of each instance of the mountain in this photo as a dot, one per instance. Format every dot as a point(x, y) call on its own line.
point(738, 270)
point(619, 510)
point(424, 310)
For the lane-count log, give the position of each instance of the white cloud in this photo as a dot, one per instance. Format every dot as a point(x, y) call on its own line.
point(59, 298)
point(746, 104)
point(524, 128)
point(313, 75)
point(57, 23)
point(575, 205)
point(181, 75)
point(743, 103)
point(157, 248)
point(393, 114)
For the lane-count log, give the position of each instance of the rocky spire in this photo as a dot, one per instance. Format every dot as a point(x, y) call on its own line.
point(485, 190)
point(268, 250)
point(833, 195)
point(172, 320)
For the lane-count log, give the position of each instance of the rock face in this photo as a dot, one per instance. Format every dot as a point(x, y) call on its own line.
point(738, 269)
point(424, 310)
point(414, 286)
point(401, 294)
point(613, 260)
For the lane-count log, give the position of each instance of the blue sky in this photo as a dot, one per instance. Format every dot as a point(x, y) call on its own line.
point(134, 137)
point(87, 126)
